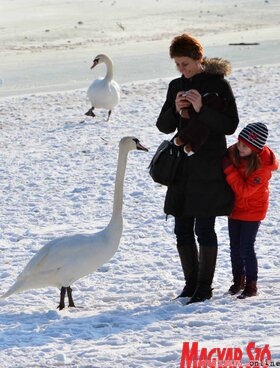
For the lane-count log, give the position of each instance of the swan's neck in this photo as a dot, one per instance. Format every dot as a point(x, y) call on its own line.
point(109, 65)
point(118, 194)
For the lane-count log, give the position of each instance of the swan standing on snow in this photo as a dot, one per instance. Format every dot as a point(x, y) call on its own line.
point(64, 260)
point(103, 92)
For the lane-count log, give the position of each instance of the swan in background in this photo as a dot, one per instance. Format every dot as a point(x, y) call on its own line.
point(64, 260)
point(103, 92)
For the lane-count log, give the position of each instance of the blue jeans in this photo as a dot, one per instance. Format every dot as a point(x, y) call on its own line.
point(187, 227)
point(242, 235)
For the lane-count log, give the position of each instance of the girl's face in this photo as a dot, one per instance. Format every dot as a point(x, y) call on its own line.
point(188, 66)
point(244, 150)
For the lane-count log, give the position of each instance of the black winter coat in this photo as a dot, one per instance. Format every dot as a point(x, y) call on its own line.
point(200, 188)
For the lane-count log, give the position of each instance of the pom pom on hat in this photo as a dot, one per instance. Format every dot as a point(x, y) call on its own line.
point(254, 136)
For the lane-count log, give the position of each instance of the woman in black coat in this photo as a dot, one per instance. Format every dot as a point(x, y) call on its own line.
point(199, 192)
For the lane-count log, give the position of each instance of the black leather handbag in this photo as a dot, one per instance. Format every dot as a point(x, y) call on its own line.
point(165, 162)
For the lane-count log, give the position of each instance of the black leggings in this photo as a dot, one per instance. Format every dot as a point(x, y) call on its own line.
point(203, 227)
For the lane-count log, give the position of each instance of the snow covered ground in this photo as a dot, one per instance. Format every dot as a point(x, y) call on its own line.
point(57, 177)
point(57, 171)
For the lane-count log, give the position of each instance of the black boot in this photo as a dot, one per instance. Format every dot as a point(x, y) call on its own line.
point(238, 284)
point(189, 259)
point(207, 264)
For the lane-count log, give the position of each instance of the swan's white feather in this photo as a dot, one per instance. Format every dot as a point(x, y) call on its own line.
point(104, 92)
point(64, 260)
point(79, 254)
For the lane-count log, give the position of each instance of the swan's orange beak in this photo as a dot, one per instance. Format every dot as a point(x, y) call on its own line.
point(140, 147)
point(95, 62)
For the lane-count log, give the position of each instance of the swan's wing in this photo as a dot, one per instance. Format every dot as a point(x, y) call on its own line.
point(104, 94)
point(38, 258)
point(58, 253)
point(116, 86)
point(95, 84)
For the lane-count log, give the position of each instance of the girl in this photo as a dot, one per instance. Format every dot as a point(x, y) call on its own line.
point(248, 171)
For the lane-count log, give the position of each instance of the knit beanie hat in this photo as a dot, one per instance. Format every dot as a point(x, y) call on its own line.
point(254, 136)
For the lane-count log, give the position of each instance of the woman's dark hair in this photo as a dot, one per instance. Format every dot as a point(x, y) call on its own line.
point(186, 45)
point(252, 164)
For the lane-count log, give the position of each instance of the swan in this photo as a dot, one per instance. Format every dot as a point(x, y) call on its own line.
point(66, 259)
point(103, 92)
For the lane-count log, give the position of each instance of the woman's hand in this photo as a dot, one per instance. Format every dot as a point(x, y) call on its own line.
point(194, 97)
point(181, 101)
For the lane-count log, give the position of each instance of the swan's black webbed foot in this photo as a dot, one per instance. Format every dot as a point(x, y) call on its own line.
point(70, 298)
point(62, 297)
point(90, 112)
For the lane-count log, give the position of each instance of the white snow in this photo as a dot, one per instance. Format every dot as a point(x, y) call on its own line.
point(57, 171)
point(57, 177)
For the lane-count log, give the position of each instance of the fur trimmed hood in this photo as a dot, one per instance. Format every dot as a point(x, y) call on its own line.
point(216, 66)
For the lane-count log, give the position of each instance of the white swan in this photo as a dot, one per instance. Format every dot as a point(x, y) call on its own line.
point(64, 260)
point(103, 92)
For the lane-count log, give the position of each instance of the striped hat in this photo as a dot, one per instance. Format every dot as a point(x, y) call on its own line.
point(254, 136)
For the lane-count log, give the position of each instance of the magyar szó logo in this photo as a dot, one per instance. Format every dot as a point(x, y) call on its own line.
point(193, 357)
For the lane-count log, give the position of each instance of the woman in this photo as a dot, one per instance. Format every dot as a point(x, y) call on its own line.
point(199, 192)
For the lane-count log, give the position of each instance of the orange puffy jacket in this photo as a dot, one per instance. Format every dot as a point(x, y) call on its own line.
point(251, 193)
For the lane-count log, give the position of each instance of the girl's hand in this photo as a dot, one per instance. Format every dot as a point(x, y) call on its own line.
point(181, 101)
point(194, 97)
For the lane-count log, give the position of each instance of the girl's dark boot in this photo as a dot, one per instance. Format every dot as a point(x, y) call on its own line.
point(238, 284)
point(250, 290)
point(207, 264)
point(189, 259)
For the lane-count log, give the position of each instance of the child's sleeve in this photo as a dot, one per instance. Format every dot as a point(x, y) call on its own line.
point(245, 187)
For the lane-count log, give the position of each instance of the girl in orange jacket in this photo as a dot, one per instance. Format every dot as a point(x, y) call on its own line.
point(248, 170)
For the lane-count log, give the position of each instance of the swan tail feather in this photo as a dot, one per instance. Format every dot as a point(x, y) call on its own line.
point(17, 287)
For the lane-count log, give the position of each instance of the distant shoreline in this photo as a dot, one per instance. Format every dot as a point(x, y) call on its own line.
point(61, 71)
point(48, 46)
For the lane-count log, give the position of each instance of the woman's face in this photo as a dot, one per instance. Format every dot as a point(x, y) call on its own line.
point(244, 150)
point(188, 66)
